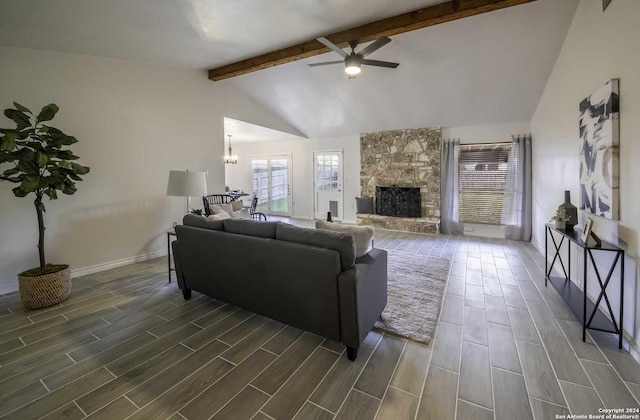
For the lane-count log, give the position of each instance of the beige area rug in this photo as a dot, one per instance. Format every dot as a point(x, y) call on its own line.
point(415, 289)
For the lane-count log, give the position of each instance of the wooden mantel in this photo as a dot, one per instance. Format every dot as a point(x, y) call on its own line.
point(428, 16)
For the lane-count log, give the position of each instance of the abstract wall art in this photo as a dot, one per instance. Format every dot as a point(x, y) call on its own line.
point(600, 152)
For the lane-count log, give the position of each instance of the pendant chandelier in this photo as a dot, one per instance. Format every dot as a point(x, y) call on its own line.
point(230, 158)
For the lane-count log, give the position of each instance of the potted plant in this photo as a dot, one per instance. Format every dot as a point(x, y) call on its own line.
point(561, 218)
point(41, 165)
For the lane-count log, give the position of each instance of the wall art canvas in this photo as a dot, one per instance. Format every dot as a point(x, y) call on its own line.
point(600, 152)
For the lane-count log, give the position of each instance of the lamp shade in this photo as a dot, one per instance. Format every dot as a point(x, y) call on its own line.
point(187, 184)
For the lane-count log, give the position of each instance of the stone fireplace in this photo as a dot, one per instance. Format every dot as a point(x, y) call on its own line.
point(409, 160)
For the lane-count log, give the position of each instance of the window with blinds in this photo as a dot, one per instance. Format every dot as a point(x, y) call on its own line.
point(482, 177)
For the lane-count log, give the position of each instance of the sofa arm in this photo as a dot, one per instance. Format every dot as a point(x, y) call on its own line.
point(362, 291)
point(178, 265)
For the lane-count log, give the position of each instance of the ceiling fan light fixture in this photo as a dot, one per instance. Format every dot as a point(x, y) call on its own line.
point(352, 70)
point(354, 61)
point(352, 65)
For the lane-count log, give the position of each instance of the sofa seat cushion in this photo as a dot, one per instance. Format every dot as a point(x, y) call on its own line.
point(362, 235)
point(251, 227)
point(202, 222)
point(342, 242)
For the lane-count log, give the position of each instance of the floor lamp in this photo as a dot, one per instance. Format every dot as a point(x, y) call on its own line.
point(187, 184)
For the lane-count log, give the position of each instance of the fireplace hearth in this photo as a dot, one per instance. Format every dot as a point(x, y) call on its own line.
point(398, 201)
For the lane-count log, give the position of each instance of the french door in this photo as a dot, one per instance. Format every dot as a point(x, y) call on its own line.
point(327, 185)
point(270, 181)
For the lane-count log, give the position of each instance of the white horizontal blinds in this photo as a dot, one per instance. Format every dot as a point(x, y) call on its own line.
point(482, 177)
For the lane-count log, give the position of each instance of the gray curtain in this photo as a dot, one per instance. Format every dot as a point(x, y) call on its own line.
point(517, 205)
point(449, 222)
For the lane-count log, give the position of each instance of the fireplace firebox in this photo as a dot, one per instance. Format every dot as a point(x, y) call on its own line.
point(398, 201)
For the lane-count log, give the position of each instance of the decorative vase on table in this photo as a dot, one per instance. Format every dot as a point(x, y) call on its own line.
point(570, 210)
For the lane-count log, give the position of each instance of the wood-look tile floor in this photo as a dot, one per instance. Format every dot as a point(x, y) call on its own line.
point(126, 345)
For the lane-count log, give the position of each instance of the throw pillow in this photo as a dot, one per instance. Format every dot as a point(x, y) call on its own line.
point(364, 205)
point(236, 205)
point(362, 234)
point(241, 214)
point(222, 215)
point(217, 208)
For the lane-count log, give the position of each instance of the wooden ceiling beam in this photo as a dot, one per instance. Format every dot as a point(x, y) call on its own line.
point(428, 16)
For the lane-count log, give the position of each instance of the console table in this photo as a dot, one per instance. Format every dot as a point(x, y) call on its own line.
point(592, 317)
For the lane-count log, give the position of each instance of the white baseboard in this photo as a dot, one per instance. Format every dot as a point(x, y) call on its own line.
point(78, 272)
point(537, 245)
point(633, 351)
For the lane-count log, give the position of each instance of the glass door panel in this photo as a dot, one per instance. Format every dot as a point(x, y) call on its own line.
point(279, 186)
point(328, 194)
point(270, 183)
point(260, 183)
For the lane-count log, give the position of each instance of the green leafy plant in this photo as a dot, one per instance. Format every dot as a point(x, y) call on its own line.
point(561, 216)
point(40, 162)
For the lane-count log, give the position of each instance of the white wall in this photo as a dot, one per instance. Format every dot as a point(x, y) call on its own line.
point(599, 46)
point(301, 152)
point(134, 122)
point(242, 107)
point(489, 133)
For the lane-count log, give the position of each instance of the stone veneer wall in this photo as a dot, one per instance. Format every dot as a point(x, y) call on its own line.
point(407, 158)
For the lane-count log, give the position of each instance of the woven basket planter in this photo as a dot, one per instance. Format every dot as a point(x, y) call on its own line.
point(46, 290)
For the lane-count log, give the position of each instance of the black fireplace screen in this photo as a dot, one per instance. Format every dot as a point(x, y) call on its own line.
point(397, 201)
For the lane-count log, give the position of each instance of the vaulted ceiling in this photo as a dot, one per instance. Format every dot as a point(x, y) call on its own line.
point(490, 68)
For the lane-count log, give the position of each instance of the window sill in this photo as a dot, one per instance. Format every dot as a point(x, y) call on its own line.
point(487, 231)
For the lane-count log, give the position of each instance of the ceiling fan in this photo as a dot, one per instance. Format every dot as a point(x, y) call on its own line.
point(354, 60)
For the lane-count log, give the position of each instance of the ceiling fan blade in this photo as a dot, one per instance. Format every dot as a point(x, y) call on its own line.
point(331, 45)
point(378, 63)
point(326, 63)
point(375, 45)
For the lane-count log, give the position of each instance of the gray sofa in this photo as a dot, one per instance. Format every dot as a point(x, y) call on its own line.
point(306, 278)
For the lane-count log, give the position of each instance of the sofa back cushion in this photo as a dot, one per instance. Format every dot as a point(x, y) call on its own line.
point(202, 222)
point(363, 235)
point(342, 242)
point(251, 227)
